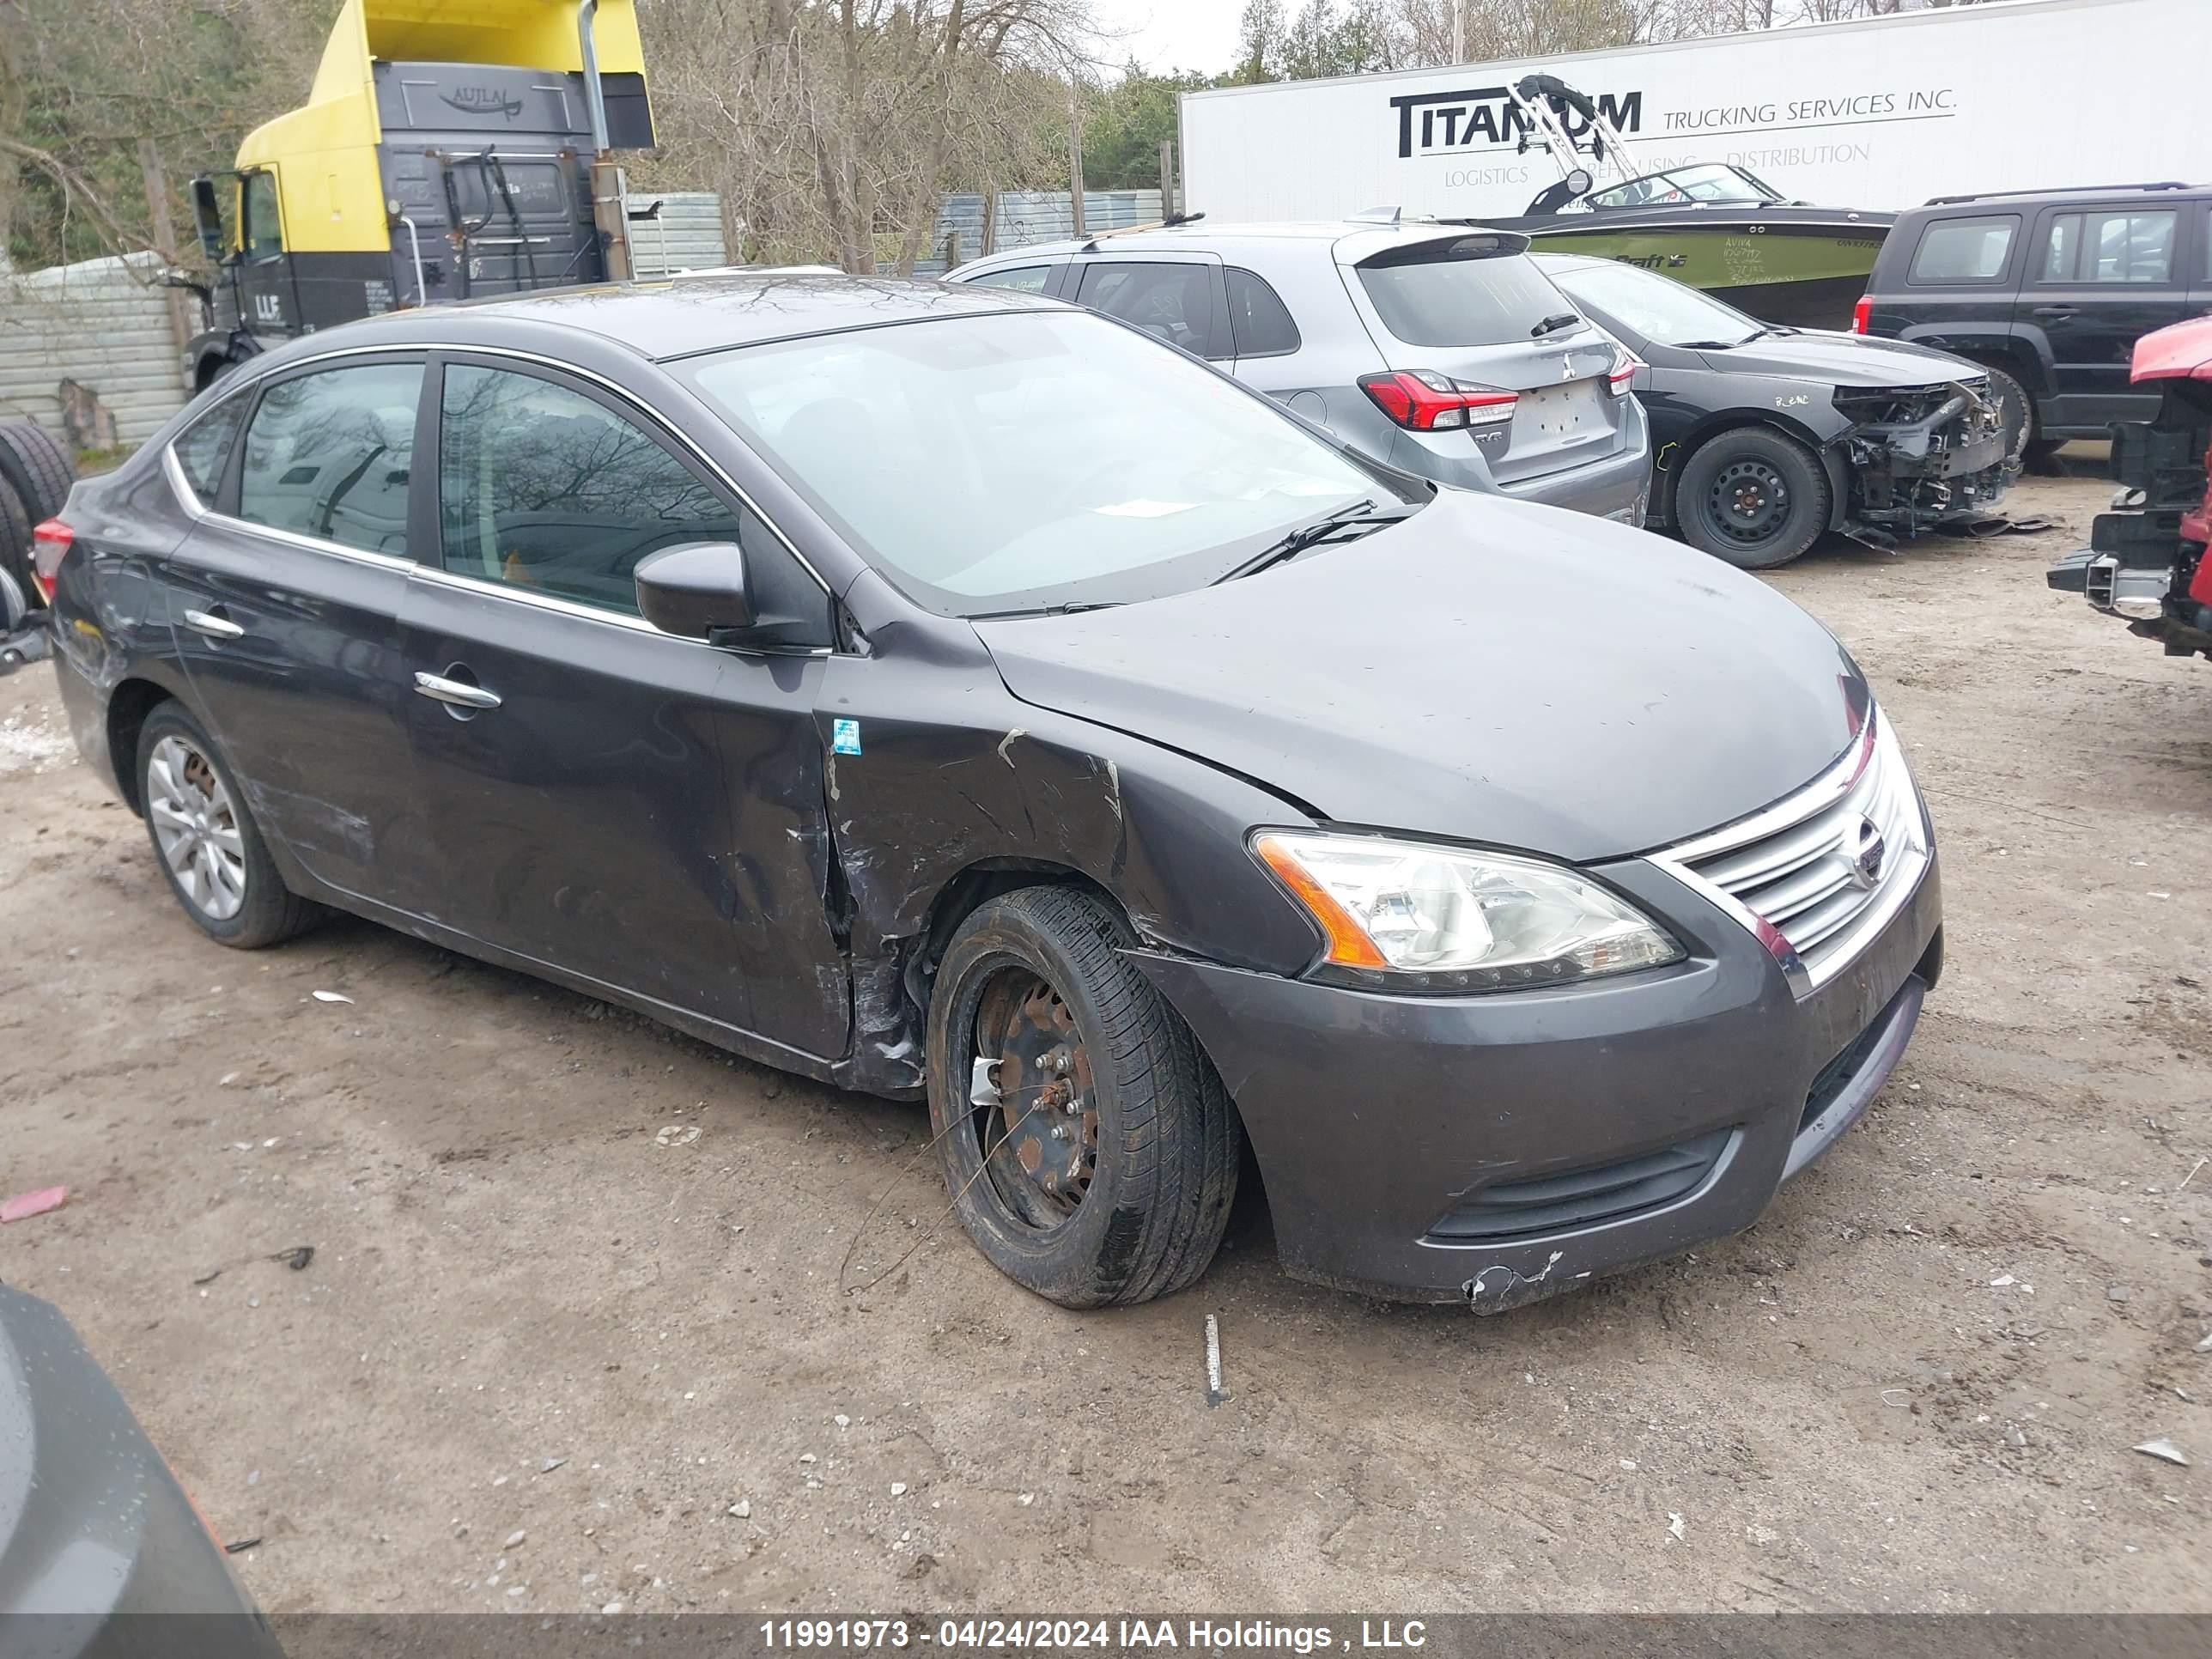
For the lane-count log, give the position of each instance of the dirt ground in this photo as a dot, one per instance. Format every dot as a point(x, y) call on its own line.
point(534, 1309)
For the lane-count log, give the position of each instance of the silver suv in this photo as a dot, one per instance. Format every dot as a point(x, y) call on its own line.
point(1441, 349)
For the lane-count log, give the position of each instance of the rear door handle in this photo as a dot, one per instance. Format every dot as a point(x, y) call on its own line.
point(460, 692)
point(2054, 311)
point(215, 627)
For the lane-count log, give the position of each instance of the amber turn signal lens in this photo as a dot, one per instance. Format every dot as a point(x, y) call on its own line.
point(1348, 943)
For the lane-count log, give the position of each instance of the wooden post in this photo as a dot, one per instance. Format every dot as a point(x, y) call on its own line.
point(1167, 179)
point(181, 328)
point(990, 219)
point(1075, 163)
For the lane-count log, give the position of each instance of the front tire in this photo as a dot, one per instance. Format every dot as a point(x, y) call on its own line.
point(205, 839)
point(1090, 1147)
point(2016, 409)
point(1754, 497)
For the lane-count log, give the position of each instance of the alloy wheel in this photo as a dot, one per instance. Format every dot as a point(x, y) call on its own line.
point(196, 826)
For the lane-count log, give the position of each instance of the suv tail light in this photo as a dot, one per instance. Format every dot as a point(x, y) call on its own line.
point(1622, 375)
point(1421, 400)
point(50, 544)
point(1862, 314)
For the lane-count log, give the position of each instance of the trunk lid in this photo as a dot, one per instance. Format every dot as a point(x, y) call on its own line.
point(1468, 303)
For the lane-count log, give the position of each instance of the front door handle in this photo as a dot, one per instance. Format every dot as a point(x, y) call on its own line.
point(215, 627)
point(2056, 311)
point(460, 692)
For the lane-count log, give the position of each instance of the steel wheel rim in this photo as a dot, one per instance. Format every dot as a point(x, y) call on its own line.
point(1749, 502)
point(195, 827)
point(1033, 1108)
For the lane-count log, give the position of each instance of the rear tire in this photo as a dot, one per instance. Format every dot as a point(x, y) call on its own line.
point(1136, 1166)
point(15, 522)
point(1752, 497)
point(205, 841)
point(33, 460)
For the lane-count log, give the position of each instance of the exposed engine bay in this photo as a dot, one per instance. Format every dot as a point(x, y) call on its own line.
point(1920, 458)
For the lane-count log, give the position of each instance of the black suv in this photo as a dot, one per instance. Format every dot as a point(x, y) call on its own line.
point(2049, 290)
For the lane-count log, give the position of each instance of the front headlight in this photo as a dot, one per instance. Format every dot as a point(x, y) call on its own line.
point(1409, 915)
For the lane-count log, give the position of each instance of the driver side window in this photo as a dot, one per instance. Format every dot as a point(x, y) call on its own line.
point(1172, 302)
point(262, 231)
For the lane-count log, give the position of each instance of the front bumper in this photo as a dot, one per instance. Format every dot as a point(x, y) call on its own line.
point(1398, 1136)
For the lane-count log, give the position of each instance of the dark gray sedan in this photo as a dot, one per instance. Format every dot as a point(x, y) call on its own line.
point(949, 692)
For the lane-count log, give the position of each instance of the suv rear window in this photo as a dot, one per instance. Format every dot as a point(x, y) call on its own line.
point(1462, 292)
point(1964, 250)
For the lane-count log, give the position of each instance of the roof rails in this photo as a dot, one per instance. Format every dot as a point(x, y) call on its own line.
point(2060, 190)
point(1091, 243)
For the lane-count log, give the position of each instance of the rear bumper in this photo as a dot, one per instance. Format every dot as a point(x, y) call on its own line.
point(1494, 1150)
point(1615, 486)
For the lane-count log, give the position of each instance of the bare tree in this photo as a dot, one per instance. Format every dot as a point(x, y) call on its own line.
point(832, 127)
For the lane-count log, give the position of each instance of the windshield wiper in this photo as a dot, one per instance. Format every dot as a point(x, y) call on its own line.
point(1554, 324)
point(1360, 516)
point(1066, 609)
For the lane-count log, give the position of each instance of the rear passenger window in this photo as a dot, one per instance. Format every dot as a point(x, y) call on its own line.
point(2110, 248)
point(1259, 322)
point(547, 489)
point(1172, 302)
point(1023, 279)
point(202, 447)
point(1964, 250)
point(328, 455)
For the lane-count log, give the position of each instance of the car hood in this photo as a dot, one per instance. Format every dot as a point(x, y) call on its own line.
point(1836, 359)
point(1487, 670)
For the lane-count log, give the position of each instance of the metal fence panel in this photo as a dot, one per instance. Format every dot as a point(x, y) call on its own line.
point(686, 236)
point(101, 323)
point(1027, 217)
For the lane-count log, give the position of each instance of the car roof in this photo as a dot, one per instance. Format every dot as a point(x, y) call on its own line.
point(1202, 236)
point(2169, 190)
point(689, 315)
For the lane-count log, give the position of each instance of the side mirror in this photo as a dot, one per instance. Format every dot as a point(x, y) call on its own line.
point(695, 590)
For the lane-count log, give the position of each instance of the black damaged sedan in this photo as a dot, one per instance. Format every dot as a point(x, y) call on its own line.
point(946, 692)
point(1763, 439)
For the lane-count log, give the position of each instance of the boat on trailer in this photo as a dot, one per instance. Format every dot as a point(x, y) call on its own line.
point(1711, 224)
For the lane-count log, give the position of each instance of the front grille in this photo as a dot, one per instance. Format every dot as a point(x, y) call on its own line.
point(1825, 869)
point(1553, 1203)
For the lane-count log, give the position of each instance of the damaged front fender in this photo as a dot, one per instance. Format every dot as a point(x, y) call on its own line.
point(941, 787)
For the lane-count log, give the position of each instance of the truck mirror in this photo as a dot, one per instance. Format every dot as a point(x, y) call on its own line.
point(207, 216)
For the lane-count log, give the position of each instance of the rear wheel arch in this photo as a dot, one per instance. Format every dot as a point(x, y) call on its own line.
point(130, 705)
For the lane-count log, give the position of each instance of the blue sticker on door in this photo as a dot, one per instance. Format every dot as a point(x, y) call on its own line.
point(845, 737)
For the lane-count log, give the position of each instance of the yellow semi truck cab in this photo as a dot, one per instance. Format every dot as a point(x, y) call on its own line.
point(441, 154)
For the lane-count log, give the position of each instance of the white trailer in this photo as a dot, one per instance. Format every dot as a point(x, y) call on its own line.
point(1878, 114)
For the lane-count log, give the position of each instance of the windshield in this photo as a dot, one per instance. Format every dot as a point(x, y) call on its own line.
point(1658, 307)
point(1708, 182)
point(1018, 460)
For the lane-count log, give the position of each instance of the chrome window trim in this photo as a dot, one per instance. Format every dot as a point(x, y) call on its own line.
point(310, 543)
point(187, 497)
point(440, 577)
point(659, 421)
